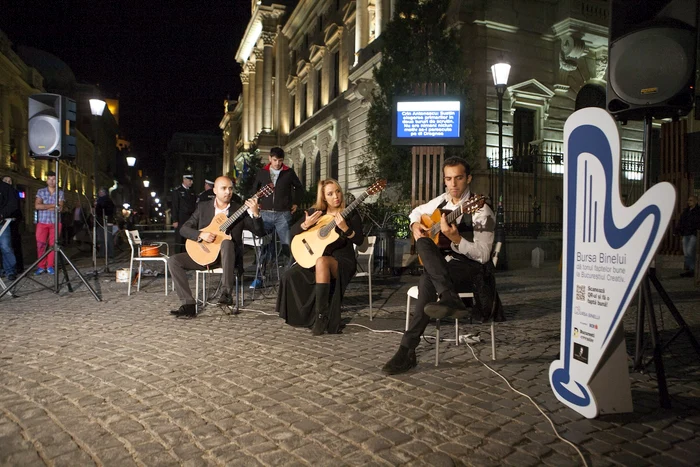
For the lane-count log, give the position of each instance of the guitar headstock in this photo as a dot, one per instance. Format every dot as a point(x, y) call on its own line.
point(473, 204)
point(265, 191)
point(377, 187)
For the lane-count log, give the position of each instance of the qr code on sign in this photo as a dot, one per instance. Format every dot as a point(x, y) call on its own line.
point(581, 293)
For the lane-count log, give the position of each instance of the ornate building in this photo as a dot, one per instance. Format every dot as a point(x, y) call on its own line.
point(307, 79)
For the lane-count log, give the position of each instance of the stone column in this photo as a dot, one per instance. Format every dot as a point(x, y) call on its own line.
point(379, 18)
point(246, 109)
point(23, 151)
point(250, 99)
point(259, 64)
point(392, 9)
point(282, 114)
point(361, 26)
point(268, 41)
point(5, 129)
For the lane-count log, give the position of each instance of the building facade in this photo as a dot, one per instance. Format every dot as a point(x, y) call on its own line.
point(307, 85)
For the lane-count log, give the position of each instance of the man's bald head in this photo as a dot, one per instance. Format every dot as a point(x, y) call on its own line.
point(692, 201)
point(223, 189)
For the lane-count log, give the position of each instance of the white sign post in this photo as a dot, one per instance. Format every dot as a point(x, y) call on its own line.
point(607, 248)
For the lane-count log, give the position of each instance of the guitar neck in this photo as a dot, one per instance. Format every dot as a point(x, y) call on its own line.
point(234, 217)
point(346, 212)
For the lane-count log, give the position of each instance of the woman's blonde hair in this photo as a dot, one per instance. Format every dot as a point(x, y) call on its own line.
point(321, 204)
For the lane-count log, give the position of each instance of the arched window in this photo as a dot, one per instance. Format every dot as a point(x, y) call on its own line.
point(334, 162)
point(302, 172)
point(317, 168)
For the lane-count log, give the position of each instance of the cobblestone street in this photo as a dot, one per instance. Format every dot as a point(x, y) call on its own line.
point(121, 382)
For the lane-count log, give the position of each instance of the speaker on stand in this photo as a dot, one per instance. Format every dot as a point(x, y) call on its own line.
point(652, 60)
point(51, 136)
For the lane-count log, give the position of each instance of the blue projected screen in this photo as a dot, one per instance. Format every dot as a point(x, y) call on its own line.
point(427, 121)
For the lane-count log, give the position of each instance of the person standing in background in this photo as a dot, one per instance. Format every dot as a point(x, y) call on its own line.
point(8, 207)
point(688, 230)
point(16, 236)
point(184, 204)
point(48, 201)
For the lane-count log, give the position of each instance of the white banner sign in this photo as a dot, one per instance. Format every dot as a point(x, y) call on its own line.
point(607, 248)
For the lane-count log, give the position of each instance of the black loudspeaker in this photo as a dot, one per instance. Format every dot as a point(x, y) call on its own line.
point(50, 128)
point(652, 58)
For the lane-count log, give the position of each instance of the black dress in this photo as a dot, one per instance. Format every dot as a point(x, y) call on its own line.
point(297, 298)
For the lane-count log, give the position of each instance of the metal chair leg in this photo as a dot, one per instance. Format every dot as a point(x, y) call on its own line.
point(437, 342)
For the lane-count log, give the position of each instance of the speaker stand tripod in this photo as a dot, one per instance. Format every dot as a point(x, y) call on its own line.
point(58, 254)
point(646, 304)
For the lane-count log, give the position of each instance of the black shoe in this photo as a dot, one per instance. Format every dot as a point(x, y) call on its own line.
point(688, 274)
point(225, 299)
point(320, 325)
point(449, 306)
point(11, 277)
point(187, 310)
point(401, 362)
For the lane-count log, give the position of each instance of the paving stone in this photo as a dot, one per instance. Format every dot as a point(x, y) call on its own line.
point(134, 386)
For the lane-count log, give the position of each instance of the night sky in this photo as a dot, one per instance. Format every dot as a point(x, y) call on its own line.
point(171, 64)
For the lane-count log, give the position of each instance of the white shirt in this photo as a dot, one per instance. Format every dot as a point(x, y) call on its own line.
point(218, 211)
point(483, 221)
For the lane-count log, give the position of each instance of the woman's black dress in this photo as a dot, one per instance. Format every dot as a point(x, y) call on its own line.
point(297, 297)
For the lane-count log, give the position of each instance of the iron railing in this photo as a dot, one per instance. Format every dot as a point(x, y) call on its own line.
point(534, 188)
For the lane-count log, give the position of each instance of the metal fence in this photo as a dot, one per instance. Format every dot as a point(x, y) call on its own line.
point(534, 188)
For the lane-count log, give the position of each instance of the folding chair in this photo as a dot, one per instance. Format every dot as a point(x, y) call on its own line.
point(362, 252)
point(413, 293)
point(203, 276)
point(135, 243)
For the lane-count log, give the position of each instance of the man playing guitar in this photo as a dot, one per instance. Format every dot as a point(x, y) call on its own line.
point(450, 266)
point(192, 229)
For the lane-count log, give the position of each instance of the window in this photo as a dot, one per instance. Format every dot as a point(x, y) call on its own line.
point(335, 89)
point(319, 85)
point(317, 168)
point(523, 134)
point(302, 103)
point(320, 23)
point(292, 108)
point(334, 162)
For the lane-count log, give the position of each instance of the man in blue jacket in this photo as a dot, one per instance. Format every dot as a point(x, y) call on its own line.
point(277, 210)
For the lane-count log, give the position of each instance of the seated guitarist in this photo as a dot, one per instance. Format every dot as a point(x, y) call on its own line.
point(305, 297)
point(449, 267)
point(192, 229)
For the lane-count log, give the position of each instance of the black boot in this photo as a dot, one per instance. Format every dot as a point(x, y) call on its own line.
point(449, 306)
point(401, 362)
point(321, 323)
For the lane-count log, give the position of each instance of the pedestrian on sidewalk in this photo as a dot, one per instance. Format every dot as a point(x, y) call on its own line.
point(184, 204)
point(15, 229)
point(48, 202)
point(688, 230)
point(8, 208)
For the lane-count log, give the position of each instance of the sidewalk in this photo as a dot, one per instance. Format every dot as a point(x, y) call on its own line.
point(121, 382)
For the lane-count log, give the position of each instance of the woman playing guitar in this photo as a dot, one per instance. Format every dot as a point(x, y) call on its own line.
point(305, 294)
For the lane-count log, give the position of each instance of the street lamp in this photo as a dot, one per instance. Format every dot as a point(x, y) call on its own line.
point(146, 183)
point(500, 72)
point(97, 108)
point(130, 161)
point(153, 194)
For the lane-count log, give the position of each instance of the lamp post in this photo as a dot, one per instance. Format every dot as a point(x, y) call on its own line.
point(97, 108)
point(500, 72)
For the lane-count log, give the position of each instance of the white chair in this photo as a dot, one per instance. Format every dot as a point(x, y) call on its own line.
point(362, 252)
point(413, 293)
point(135, 243)
point(203, 276)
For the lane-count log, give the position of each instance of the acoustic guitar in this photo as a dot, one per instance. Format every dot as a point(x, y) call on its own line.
point(432, 221)
point(205, 253)
point(308, 246)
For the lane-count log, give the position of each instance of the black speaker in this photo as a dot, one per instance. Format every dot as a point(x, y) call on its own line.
point(50, 128)
point(652, 58)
